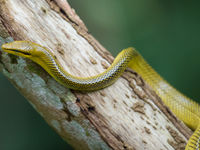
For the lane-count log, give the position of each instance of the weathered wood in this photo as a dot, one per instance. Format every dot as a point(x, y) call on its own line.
point(126, 115)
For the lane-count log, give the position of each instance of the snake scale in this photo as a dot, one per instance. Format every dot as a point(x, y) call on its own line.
point(183, 107)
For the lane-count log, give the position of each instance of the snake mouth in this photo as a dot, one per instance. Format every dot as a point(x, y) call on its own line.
point(16, 51)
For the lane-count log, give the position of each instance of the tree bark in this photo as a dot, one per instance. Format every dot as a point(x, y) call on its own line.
point(127, 115)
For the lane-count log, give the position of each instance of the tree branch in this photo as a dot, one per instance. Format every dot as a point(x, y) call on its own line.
point(126, 115)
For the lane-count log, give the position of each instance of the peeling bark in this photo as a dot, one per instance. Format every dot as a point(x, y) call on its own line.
point(126, 115)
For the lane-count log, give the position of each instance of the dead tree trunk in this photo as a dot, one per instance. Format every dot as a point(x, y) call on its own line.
point(126, 115)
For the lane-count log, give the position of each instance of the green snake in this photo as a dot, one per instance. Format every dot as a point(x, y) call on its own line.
point(183, 107)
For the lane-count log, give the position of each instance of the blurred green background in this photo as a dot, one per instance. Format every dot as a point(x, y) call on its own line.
point(165, 32)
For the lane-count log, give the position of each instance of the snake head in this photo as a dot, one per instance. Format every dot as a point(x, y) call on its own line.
point(21, 48)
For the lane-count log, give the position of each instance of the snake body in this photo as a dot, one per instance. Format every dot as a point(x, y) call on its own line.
point(184, 108)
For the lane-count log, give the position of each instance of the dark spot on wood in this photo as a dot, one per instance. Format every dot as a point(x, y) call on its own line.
point(127, 147)
point(43, 10)
point(102, 93)
point(91, 108)
point(154, 127)
point(117, 136)
point(148, 122)
point(138, 107)
point(66, 34)
point(114, 100)
point(62, 11)
point(147, 130)
point(60, 51)
point(134, 96)
point(104, 64)
point(125, 103)
point(114, 105)
point(102, 100)
point(143, 141)
point(93, 61)
point(78, 100)
point(124, 146)
point(127, 96)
